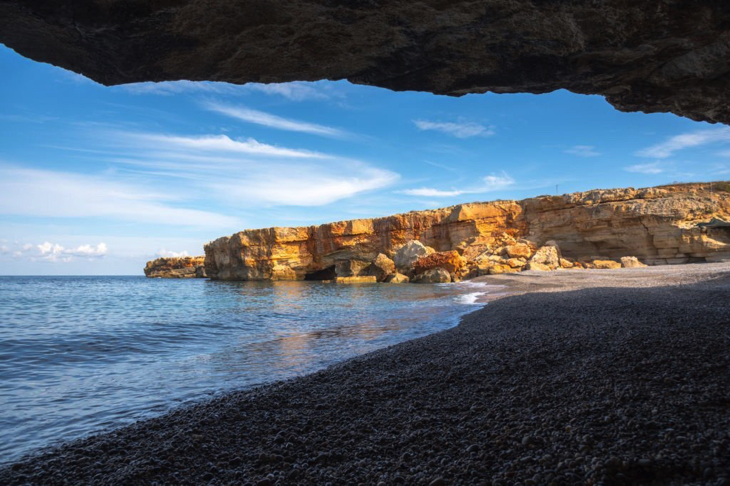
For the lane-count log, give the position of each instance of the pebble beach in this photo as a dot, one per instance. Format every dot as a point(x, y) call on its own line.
point(574, 377)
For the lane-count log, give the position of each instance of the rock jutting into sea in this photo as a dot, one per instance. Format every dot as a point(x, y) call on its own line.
point(178, 267)
point(605, 229)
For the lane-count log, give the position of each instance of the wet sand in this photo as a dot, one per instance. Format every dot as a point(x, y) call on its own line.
point(575, 377)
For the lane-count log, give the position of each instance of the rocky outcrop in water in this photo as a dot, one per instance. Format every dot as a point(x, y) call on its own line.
point(594, 229)
point(183, 267)
point(667, 56)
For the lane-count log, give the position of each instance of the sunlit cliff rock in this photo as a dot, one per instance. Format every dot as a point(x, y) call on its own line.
point(661, 225)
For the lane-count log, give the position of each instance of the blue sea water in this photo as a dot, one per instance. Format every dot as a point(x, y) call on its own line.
point(83, 354)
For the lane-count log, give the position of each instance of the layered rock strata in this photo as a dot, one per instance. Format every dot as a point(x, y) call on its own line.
point(668, 56)
point(660, 225)
point(184, 267)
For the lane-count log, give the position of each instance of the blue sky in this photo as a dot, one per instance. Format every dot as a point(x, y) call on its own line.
point(98, 180)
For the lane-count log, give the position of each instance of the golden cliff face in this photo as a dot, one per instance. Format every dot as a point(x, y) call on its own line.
point(658, 225)
point(297, 253)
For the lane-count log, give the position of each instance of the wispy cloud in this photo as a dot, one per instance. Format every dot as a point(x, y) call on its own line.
point(459, 130)
point(223, 170)
point(653, 168)
point(583, 151)
point(170, 88)
point(489, 183)
point(431, 192)
point(441, 166)
point(213, 143)
point(294, 91)
point(313, 186)
point(686, 140)
point(273, 121)
point(46, 193)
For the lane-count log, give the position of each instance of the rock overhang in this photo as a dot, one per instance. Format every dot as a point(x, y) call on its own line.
point(641, 55)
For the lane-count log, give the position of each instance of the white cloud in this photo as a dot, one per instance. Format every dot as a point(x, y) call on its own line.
point(273, 121)
point(213, 165)
point(459, 130)
point(583, 151)
point(215, 143)
point(172, 254)
point(430, 192)
point(724, 153)
point(307, 186)
point(495, 183)
point(15, 250)
point(57, 253)
point(686, 140)
point(168, 88)
point(45, 193)
point(294, 91)
point(158, 179)
point(89, 251)
point(653, 168)
point(489, 183)
point(440, 166)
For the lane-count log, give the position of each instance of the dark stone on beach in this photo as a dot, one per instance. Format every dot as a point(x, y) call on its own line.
point(604, 386)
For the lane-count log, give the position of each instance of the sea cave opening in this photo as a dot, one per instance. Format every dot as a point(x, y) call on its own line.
point(324, 274)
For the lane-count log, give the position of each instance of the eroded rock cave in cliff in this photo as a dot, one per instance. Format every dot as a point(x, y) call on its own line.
point(642, 55)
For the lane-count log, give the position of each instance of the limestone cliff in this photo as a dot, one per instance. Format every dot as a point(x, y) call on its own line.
point(184, 267)
point(660, 225)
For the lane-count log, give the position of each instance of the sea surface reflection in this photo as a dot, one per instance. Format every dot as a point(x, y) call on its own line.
point(83, 354)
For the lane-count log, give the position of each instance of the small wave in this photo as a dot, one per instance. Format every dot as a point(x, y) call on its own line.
point(479, 285)
point(470, 298)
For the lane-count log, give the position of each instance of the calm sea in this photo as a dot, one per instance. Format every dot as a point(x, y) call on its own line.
point(84, 354)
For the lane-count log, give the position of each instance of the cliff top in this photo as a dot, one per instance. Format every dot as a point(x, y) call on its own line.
point(593, 196)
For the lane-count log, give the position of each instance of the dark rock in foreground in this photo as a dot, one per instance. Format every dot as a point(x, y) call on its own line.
point(596, 386)
point(668, 56)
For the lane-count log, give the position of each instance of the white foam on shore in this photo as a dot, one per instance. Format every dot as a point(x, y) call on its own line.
point(470, 299)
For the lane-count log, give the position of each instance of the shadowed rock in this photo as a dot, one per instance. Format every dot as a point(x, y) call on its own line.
point(669, 56)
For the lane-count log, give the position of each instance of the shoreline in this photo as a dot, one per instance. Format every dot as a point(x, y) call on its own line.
point(467, 404)
point(564, 280)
